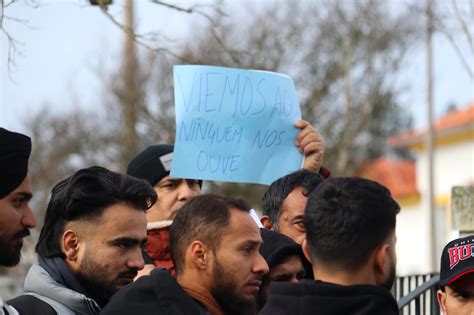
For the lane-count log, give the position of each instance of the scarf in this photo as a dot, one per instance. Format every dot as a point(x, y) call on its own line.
point(157, 245)
point(61, 273)
point(57, 268)
point(204, 297)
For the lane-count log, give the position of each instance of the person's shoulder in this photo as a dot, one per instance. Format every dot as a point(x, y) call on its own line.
point(6, 309)
point(158, 293)
point(136, 296)
point(317, 297)
point(30, 304)
point(289, 288)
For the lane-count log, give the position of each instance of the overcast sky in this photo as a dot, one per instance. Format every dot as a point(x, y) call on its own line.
point(67, 42)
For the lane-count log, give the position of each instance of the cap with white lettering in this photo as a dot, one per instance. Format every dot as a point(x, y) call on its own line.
point(152, 164)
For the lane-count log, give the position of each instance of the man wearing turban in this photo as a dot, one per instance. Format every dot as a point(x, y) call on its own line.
point(16, 217)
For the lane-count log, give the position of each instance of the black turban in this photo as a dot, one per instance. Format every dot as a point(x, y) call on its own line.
point(15, 150)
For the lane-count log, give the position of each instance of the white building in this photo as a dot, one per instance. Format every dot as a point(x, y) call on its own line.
point(408, 181)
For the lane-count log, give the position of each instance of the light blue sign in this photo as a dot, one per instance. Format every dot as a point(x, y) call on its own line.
point(234, 125)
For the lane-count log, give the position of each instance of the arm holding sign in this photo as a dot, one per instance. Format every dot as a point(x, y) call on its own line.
point(311, 145)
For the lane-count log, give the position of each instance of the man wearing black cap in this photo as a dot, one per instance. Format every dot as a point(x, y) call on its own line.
point(154, 165)
point(456, 293)
point(16, 216)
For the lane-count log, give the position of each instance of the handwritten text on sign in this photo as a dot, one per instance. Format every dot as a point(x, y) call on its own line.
point(234, 125)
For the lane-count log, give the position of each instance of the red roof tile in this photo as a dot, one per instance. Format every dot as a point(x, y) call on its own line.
point(458, 118)
point(398, 176)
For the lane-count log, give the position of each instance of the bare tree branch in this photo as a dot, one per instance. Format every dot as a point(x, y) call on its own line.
point(8, 4)
point(464, 27)
point(446, 22)
point(465, 62)
point(13, 51)
point(14, 46)
point(448, 33)
point(171, 6)
point(137, 38)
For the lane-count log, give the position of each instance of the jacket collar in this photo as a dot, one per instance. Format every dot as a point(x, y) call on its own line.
point(39, 282)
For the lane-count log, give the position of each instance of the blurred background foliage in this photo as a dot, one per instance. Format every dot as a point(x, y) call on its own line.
point(343, 56)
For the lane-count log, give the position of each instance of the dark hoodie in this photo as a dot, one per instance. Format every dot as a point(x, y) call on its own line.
point(277, 248)
point(310, 297)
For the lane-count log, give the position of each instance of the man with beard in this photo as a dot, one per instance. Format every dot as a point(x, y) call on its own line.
point(90, 243)
point(16, 217)
point(214, 244)
point(350, 240)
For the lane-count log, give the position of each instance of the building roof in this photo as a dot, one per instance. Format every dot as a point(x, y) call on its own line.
point(398, 176)
point(458, 120)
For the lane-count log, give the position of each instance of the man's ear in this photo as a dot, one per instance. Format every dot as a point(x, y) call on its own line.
point(382, 261)
point(266, 222)
point(70, 245)
point(199, 254)
point(442, 301)
point(304, 247)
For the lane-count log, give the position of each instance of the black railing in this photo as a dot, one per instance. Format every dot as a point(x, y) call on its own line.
point(417, 294)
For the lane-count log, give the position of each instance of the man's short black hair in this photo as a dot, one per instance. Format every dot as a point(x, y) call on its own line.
point(282, 187)
point(202, 218)
point(346, 219)
point(84, 196)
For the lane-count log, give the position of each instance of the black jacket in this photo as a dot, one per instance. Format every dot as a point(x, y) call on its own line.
point(310, 297)
point(158, 293)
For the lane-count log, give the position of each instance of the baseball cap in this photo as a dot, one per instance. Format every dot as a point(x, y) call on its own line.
point(457, 260)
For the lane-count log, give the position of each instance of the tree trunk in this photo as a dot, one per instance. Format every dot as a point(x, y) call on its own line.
point(130, 99)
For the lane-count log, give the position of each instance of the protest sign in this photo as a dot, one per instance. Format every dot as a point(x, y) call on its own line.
point(234, 125)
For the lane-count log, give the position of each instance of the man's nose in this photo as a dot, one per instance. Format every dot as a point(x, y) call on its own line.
point(294, 279)
point(185, 192)
point(28, 219)
point(136, 261)
point(261, 266)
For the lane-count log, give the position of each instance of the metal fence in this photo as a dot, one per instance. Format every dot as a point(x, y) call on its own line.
point(416, 294)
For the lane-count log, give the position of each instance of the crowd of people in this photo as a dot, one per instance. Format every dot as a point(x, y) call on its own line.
point(148, 243)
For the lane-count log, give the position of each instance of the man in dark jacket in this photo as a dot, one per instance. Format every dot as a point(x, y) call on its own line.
point(350, 240)
point(154, 164)
point(215, 245)
point(157, 294)
point(285, 260)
